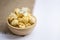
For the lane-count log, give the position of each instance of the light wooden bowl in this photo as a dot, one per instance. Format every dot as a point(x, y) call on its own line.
point(19, 31)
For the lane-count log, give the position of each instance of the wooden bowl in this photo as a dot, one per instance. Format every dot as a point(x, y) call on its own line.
point(20, 31)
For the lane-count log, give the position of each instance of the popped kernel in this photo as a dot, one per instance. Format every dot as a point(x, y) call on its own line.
point(14, 22)
point(25, 19)
point(20, 15)
point(25, 9)
point(32, 19)
point(20, 19)
point(17, 10)
point(12, 16)
point(21, 25)
point(28, 24)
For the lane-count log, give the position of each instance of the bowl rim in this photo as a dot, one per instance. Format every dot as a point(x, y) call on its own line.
point(22, 28)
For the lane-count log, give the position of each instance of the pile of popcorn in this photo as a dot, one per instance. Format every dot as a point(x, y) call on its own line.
point(21, 18)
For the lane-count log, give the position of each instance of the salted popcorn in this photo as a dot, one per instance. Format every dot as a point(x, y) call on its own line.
point(21, 18)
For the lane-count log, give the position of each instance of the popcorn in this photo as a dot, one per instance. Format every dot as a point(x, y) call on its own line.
point(32, 19)
point(21, 18)
point(12, 16)
point(14, 22)
point(21, 25)
point(26, 19)
point(25, 9)
point(28, 24)
point(17, 10)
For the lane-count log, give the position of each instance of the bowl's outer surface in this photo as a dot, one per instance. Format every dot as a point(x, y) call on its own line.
point(22, 31)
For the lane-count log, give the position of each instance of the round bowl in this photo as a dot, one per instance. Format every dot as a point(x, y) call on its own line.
point(19, 31)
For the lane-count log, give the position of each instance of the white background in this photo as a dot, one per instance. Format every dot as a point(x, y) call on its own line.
point(47, 13)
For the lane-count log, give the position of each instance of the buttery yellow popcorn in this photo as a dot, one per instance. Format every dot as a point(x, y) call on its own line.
point(21, 17)
point(21, 25)
point(25, 19)
point(32, 19)
point(28, 24)
point(14, 22)
point(27, 14)
point(12, 16)
point(17, 10)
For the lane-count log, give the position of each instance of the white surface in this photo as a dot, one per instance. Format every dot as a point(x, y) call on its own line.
point(47, 13)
